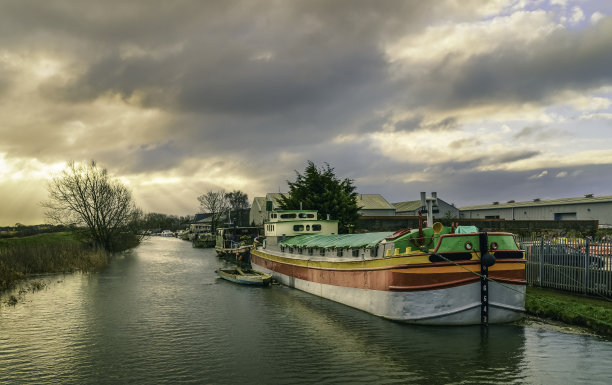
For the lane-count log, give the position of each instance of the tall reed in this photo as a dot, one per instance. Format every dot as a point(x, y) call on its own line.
point(20, 259)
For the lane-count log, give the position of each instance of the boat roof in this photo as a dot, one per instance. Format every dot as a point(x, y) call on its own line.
point(338, 241)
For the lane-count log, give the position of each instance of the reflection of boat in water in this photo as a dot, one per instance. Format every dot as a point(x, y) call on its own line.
point(405, 353)
point(428, 276)
point(245, 276)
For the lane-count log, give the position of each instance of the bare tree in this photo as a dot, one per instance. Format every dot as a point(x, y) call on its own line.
point(84, 195)
point(239, 204)
point(237, 200)
point(215, 203)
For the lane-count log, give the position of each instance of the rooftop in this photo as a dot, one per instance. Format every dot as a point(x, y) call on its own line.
point(407, 206)
point(373, 202)
point(536, 202)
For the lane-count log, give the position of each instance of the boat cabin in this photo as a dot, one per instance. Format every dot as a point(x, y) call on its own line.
point(289, 223)
point(234, 237)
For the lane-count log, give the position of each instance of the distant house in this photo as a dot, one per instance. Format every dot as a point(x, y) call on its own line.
point(201, 223)
point(589, 207)
point(374, 205)
point(262, 206)
point(371, 205)
point(411, 208)
point(258, 213)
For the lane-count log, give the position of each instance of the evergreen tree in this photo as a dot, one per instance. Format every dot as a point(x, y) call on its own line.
point(319, 189)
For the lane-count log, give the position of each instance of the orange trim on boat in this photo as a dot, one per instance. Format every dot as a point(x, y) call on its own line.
point(431, 276)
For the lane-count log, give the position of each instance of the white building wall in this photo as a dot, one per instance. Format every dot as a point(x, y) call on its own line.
point(588, 211)
point(444, 208)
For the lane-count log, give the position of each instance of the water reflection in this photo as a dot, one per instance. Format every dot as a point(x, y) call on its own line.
point(350, 343)
point(160, 315)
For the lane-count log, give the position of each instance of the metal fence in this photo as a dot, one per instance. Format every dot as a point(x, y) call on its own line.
point(570, 264)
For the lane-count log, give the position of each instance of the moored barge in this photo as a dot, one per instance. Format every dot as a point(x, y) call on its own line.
point(426, 276)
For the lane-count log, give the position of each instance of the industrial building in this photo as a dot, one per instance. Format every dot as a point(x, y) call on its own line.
point(589, 207)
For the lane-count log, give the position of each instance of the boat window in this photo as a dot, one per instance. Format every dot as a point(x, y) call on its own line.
point(299, 250)
point(291, 250)
point(298, 227)
point(310, 252)
point(287, 216)
point(316, 227)
point(339, 252)
point(274, 216)
point(322, 251)
point(282, 248)
point(373, 251)
point(355, 252)
point(305, 215)
point(307, 227)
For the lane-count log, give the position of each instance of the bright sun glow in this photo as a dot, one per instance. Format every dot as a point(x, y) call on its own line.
point(18, 169)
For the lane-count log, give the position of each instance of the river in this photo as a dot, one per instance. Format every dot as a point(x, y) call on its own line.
point(159, 315)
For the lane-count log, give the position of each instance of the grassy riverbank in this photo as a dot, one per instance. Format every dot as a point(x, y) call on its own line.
point(573, 309)
point(46, 254)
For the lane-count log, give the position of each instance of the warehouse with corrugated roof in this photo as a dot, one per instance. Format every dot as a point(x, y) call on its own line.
point(589, 207)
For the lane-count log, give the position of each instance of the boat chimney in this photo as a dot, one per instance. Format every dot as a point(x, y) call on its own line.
point(300, 205)
point(423, 204)
point(328, 217)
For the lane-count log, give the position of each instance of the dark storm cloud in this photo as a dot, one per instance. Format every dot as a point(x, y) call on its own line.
point(527, 131)
point(513, 156)
point(469, 186)
point(155, 156)
point(242, 57)
point(539, 133)
point(576, 60)
point(417, 123)
point(164, 89)
point(464, 143)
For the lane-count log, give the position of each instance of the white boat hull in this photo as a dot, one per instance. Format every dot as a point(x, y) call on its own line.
point(458, 305)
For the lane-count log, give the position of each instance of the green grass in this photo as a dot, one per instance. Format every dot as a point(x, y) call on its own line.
point(41, 239)
point(46, 254)
point(591, 313)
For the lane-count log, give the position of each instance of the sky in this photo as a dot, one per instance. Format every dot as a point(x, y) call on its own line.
point(480, 101)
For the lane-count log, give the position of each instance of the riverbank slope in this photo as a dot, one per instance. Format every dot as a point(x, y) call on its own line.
point(45, 254)
point(573, 309)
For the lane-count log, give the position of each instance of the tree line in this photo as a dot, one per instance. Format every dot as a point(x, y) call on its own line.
point(231, 206)
point(86, 198)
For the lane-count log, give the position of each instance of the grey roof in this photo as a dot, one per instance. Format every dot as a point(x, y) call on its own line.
point(562, 201)
point(275, 198)
point(259, 203)
point(407, 206)
point(373, 202)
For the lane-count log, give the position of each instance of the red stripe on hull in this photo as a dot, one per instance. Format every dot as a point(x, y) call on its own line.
point(396, 278)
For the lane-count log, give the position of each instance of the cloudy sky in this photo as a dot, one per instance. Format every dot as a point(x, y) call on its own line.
point(480, 101)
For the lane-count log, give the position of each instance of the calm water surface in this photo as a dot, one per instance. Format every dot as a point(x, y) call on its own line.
point(159, 315)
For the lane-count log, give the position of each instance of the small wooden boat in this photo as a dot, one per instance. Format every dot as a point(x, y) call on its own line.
point(245, 276)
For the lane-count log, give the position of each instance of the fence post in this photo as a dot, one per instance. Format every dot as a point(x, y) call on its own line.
point(540, 265)
point(587, 259)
